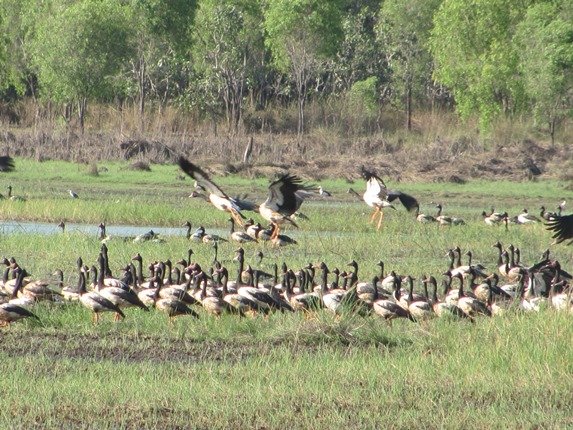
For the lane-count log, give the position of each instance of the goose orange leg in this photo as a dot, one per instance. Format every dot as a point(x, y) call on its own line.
point(237, 217)
point(380, 220)
point(374, 214)
point(275, 232)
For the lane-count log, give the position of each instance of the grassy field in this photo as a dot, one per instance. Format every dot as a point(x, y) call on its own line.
point(287, 370)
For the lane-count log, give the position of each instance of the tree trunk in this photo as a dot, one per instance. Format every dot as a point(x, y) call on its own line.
point(552, 126)
point(409, 108)
point(142, 93)
point(82, 106)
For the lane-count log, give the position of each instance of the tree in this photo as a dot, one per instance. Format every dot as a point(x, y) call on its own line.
point(80, 49)
point(302, 36)
point(545, 42)
point(359, 56)
point(227, 48)
point(474, 55)
point(18, 20)
point(403, 30)
point(162, 43)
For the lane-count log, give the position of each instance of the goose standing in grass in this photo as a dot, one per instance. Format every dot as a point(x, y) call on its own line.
point(470, 305)
point(423, 218)
point(447, 220)
point(285, 197)
point(526, 218)
point(94, 301)
point(494, 218)
point(239, 236)
point(11, 312)
point(442, 309)
point(379, 197)
point(39, 290)
point(242, 305)
point(389, 309)
point(551, 216)
point(116, 291)
point(172, 306)
point(14, 198)
point(217, 196)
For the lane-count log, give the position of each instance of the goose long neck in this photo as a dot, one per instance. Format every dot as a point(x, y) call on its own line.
point(324, 281)
point(458, 256)
point(461, 278)
point(425, 287)
point(18, 284)
point(240, 269)
point(101, 272)
point(224, 279)
point(81, 283)
point(168, 267)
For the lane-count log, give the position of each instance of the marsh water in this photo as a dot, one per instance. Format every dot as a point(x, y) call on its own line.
point(13, 227)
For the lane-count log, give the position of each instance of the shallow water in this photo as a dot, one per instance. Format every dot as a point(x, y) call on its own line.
point(12, 227)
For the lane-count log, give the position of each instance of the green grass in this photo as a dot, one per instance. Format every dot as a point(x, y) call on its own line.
point(284, 371)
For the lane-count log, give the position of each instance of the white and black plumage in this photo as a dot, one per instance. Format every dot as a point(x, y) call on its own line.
point(6, 163)
point(379, 197)
point(96, 302)
point(562, 228)
point(551, 216)
point(217, 196)
point(73, 194)
point(286, 195)
point(526, 218)
point(10, 312)
point(323, 192)
point(447, 220)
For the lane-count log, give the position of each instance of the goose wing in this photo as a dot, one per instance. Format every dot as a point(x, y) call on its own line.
point(562, 228)
point(6, 163)
point(285, 196)
point(409, 202)
point(201, 177)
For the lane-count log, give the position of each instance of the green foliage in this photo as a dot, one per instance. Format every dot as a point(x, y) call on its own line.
point(363, 96)
point(475, 57)
point(403, 30)
point(228, 49)
point(360, 54)
point(81, 47)
point(545, 39)
point(297, 28)
point(18, 19)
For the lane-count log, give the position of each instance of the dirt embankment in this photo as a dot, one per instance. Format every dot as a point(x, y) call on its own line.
point(439, 161)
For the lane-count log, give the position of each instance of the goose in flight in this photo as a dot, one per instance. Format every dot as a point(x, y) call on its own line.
point(216, 196)
point(286, 195)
